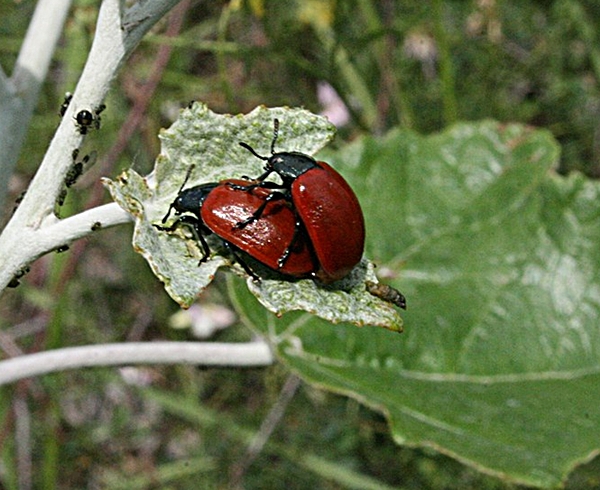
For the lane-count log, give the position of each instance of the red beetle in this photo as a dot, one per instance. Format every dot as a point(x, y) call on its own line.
point(218, 207)
point(324, 202)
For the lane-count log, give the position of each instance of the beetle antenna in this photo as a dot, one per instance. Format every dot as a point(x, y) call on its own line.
point(172, 206)
point(275, 134)
point(187, 176)
point(251, 150)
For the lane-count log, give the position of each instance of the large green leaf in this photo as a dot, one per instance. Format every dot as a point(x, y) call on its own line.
point(499, 259)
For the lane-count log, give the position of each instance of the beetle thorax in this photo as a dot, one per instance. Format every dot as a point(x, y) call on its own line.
point(191, 200)
point(291, 165)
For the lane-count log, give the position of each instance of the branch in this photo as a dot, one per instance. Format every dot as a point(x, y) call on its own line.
point(5, 87)
point(116, 37)
point(67, 230)
point(38, 46)
point(19, 94)
point(26, 236)
point(250, 354)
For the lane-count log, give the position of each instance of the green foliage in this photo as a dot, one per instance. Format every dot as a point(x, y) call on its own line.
point(495, 252)
point(498, 258)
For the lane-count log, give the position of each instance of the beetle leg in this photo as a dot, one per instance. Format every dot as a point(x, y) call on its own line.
point(182, 220)
point(260, 210)
point(251, 187)
point(196, 227)
point(293, 246)
point(232, 249)
point(205, 248)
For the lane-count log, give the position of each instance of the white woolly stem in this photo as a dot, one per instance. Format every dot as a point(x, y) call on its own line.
point(33, 229)
point(19, 93)
point(206, 354)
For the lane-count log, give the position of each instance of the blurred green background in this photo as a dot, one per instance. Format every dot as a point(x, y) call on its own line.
point(420, 65)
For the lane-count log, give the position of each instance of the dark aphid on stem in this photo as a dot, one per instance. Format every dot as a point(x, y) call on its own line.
point(87, 120)
point(65, 105)
point(18, 201)
point(77, 168)
point(14, 282)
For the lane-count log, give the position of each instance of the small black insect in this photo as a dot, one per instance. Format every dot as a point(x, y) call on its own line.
point(96, 226)
point(74, 172)
point(79, 166)
point(14, 282)
point(62, 195)
point(65, 104)
point(87, 120)
point(18, 201)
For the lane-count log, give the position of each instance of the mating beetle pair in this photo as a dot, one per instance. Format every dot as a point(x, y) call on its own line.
point(310, 225)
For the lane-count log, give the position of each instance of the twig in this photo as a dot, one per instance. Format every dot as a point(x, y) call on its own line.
point(19, 93)
point(127, 130)
point(23, 440)
point(255, 353)
point(266, 429)
point(34, 230)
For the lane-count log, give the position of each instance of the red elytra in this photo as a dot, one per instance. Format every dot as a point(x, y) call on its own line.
point(265, 240)
point(276, 241)
point(333, 219)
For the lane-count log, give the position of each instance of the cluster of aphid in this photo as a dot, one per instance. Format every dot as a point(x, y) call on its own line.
point(85, 120)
